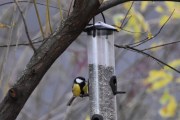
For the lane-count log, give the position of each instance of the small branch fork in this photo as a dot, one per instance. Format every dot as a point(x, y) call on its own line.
point(144, 53)
point(155, 35)
point(123, 22)
point(132, 46)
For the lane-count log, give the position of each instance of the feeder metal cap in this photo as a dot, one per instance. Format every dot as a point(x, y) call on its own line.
point(100, 26)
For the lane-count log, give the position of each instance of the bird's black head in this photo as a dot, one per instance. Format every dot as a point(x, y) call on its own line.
point(79, 80)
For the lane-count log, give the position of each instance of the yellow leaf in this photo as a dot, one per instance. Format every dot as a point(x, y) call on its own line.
point(160, 84)
point(142, 22)
point(138, 24)
point(154, 75)
point(144, 5)
point(170, 5)
point(133, 25)
point(176, 15)
point(4, 26)
point(165, 98)
point(163, 19)
point(157, 80)
point(169, 109)
point(87, 117)
point(117, 19)
point(159, 9)
point(174, 63)
point(137, 35)
point(127, 5)
point(149, 35)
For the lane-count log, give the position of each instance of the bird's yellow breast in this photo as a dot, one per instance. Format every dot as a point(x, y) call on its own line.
point(76, 90)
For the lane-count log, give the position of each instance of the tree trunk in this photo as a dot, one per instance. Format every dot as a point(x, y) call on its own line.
point(47, 53)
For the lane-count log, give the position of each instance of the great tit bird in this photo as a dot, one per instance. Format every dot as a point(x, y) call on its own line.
point(79, 89)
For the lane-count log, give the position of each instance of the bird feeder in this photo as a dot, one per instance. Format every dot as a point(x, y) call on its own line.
point(101, 62)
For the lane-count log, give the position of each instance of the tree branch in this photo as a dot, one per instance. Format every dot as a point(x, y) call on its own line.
point(144, 53)
point(155, 35)
point(21, 44)
point(112, 3)
point(162, 45)
point(47, 53)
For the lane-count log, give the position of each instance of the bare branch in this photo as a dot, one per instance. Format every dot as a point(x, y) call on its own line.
point(70, 7)
point(21, 44)
point(147, 39)
point(25, 26)
point(133, 32)
point(47, 53)
point(123, 24)
point(162, 45)
point(39, 19)
point(126, 15)
point(48, 15)
point(144, 53)
point(112, 3)
point(26, 1)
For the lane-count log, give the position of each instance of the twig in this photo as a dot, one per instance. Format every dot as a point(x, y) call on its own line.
point(39, 20)
point(20, 44)
point(144, 53)
point(129, 30)
point(25, 26)
point(126, 14)
point(127, 21)
point(48, 15)
point(70, 7)
point(122, 28)
point(60, 10)
point(25, 1)
point(110, 4)
point(162, 45)
point(147, 38)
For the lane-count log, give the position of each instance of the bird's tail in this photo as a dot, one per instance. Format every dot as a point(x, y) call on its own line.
point(71, 100)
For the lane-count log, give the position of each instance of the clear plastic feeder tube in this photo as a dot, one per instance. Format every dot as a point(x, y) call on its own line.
point(101, 62)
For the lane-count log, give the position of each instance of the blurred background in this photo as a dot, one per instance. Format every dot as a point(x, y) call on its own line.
point(152, 88)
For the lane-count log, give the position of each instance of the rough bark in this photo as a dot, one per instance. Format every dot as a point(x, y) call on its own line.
point(47, 53)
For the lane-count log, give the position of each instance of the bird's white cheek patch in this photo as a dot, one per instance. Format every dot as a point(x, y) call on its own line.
point(79, 80)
